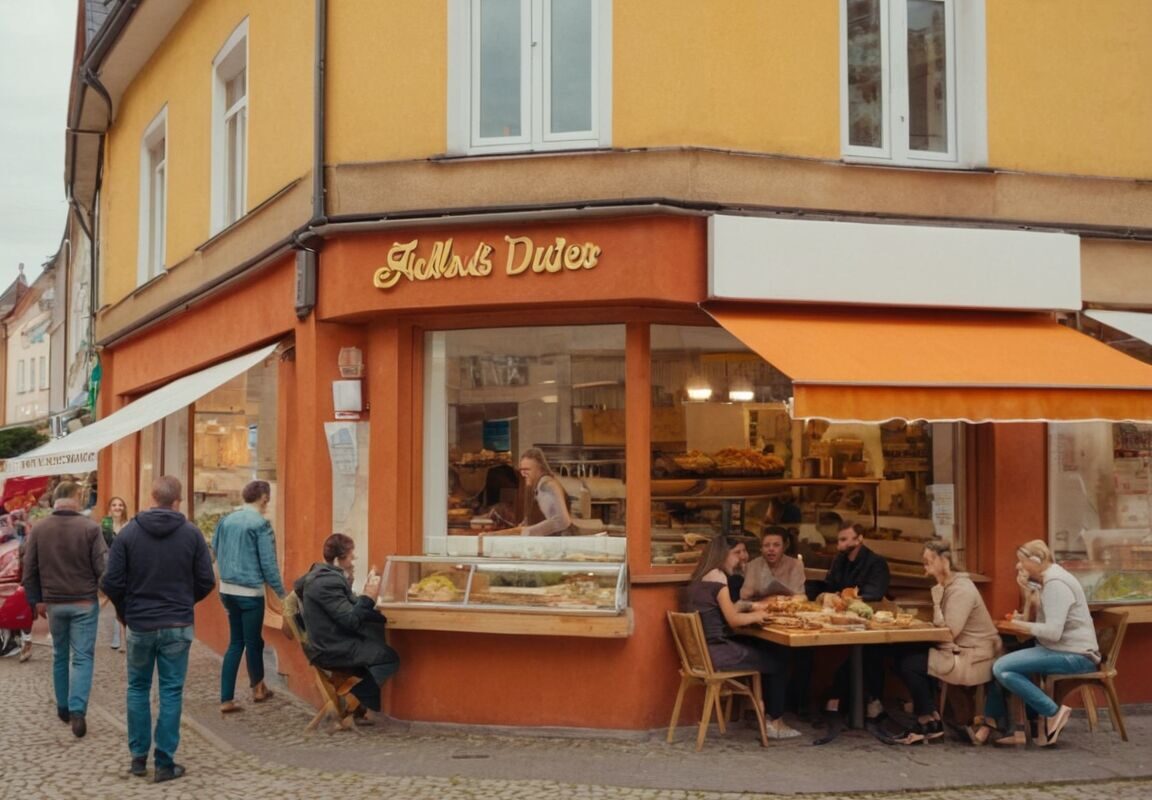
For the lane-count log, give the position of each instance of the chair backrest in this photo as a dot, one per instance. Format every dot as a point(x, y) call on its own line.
point(291, 611)
point(1110, 629)
point(688, 633)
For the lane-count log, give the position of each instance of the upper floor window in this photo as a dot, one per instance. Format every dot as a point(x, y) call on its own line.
point(230, 130)
point(43, 372)
point(153, 198)
point(912, 82)
point(20, 376)
point(529, 75)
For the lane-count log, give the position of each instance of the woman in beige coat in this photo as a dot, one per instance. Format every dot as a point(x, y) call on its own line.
point(965, 661)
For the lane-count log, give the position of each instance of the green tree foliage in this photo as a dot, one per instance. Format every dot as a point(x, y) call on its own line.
point(15, 441)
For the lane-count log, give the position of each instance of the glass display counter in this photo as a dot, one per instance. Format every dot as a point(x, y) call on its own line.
point(1117, 568)
point(490, 595)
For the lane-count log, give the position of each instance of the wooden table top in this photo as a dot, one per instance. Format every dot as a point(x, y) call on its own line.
point(795, 637)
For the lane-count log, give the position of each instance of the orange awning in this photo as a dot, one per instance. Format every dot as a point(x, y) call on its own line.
point(872, 365)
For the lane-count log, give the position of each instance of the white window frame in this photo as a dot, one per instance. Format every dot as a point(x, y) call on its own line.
point(153, 219)
point(43, 372)
point(229, 177)
point(966, 87)
point(20, 376)
point(463, 83)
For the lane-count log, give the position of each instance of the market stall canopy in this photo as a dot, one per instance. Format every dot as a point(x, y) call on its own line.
point(869, 365)
point(77, 452)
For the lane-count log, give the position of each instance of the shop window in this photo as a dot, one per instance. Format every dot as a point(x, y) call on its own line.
point(529, 75)
point(153, 199)
point(1100, 507)
point(492, 394)
point(230, 130)
point(162, 450)
point(234, 442)
point(727, 456)
point(912, 82)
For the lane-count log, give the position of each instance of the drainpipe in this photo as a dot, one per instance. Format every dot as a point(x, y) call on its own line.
point(306, 243)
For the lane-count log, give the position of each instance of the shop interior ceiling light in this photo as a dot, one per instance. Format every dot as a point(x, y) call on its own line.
point(741, 395)
point(699, 390)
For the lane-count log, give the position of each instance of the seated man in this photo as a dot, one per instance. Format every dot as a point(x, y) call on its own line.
point(773, 572)
point(345, 631)
point(855, 566)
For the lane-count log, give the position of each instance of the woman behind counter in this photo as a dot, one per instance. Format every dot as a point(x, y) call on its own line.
point(708, 594)
point(548, 515)
point(965, 661)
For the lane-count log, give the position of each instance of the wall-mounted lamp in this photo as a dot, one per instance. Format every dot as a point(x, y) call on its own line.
point(347, 397)
point(351, 362)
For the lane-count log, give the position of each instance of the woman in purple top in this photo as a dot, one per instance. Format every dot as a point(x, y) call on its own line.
point(708, 594)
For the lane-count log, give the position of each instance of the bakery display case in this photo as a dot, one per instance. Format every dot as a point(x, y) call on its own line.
point(504, 585)
point(1117, 568)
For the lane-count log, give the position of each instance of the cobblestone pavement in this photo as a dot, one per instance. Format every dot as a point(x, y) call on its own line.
point(263, 752)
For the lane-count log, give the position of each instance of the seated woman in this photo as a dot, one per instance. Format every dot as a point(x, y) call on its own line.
point(548, 514)
point(1065, 637)
point(965, 661)
point(345, 631)
point(708, 594)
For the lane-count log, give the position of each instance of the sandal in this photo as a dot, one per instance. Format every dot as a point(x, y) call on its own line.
point(979, 734)
point(260, 693)
point(230, 707)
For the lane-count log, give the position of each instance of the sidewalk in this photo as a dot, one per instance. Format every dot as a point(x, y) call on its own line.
point(269, 744)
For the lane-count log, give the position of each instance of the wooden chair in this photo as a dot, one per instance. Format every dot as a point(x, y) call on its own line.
point(335, 685)
point(977, 702)
point(1110, 629)
point(696, 668)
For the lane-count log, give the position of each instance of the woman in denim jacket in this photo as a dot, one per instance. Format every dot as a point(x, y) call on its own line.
point(245, 549)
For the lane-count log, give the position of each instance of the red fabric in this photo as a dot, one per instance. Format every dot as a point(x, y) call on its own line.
point(23, 492)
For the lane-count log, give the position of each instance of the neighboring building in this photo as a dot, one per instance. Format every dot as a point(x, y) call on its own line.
point(845, 231)
point(28, 333)
point(8, 300)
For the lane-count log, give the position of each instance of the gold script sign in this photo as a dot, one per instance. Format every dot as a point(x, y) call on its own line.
point(523, 256)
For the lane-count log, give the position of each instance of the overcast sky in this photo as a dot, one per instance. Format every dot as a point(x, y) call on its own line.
point(36, 41)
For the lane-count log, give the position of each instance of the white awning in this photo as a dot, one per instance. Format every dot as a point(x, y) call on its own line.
point(1133, 323)
point(77, 452)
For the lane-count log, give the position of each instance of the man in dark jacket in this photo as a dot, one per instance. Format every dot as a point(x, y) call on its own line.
point(855, 566)
point(345, 631)
point(158, 569)
point(62, 564)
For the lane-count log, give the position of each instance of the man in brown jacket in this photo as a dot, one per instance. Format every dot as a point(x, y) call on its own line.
point(63, 563)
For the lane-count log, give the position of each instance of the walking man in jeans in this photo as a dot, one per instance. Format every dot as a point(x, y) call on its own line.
point(63, 562)
point(158, 569)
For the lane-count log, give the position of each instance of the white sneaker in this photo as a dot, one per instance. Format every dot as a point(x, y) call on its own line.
point(778, 729)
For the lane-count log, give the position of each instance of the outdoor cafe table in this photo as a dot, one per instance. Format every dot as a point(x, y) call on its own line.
point(856, 639)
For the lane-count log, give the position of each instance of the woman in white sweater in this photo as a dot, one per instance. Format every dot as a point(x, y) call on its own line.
point(1065, 639)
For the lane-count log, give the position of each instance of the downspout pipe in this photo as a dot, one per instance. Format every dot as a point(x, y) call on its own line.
point(305, 241)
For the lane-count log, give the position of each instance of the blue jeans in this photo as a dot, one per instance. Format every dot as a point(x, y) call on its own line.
point(73, 627)
point(245, 625)
point(164, 651)
point(1013, 672)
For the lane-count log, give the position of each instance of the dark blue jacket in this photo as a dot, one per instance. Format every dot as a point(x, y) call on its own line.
point(159, 567)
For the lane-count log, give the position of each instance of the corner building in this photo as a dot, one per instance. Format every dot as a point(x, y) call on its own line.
point(869, 259)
